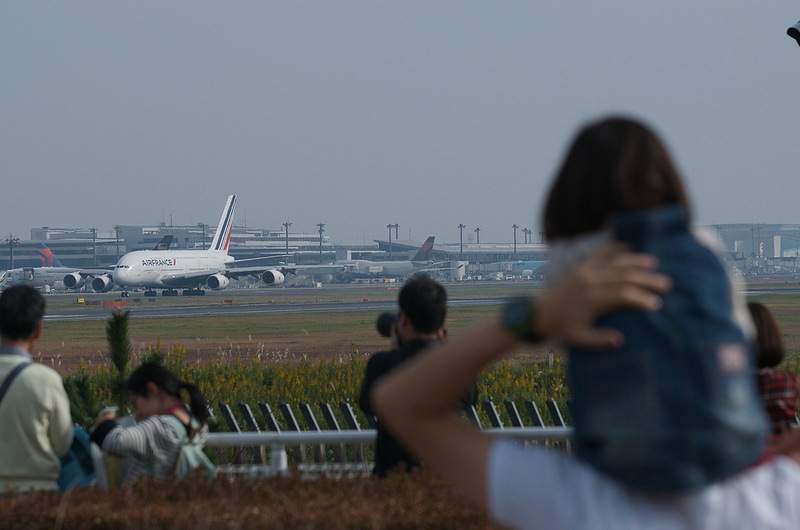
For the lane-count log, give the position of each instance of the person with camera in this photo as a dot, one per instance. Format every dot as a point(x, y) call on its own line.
point(418, 324)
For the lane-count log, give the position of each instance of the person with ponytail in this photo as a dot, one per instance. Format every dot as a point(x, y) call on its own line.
point(154, 444)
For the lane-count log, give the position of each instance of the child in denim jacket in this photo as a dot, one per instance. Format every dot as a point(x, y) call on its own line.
point(675, 408)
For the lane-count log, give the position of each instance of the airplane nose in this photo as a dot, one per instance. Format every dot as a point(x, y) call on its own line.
point(120, 275)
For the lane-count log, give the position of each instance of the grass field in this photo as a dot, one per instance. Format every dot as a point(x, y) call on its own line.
point(271, 336)
point(292, 336)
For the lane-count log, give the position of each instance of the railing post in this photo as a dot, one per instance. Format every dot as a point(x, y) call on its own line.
point(291, 423)
point(339, 453)
point(558, 420)
point(491, 411)
point(359, 453)
point(233, 426)
point(536, 416)
point(259, 452)
point(320, 455)
point(511, 408)
point(279, 462)
point(472, 416)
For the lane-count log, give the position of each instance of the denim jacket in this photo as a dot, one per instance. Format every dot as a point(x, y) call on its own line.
point(676, 407)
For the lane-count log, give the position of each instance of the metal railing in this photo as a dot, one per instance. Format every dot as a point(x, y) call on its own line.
point(278, 441)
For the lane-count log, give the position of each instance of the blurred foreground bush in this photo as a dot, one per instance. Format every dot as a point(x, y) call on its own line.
point(414, 500)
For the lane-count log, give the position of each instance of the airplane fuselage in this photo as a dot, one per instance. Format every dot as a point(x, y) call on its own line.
point(38, 276)
point(167, 269)
point(382, 268)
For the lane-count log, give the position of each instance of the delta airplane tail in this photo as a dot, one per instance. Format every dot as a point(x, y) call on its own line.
point(425, 252)
point(222, 237)
point(48, 258)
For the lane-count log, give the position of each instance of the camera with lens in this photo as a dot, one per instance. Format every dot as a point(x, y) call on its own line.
point(385, 322)
point(794, 32)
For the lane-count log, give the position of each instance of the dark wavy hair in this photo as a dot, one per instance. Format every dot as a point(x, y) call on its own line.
point(21, 309)
point(769, 343)
point(167, 382)
point(613, 165)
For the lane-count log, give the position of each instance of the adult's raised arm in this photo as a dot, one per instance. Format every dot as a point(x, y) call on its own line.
point(415, 401)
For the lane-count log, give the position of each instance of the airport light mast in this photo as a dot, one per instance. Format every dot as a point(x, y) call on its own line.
point(11, 241)
point(478, 234)
point(527, 232)
point(461, 227)
point(94, 246)
point(515, 226)
point(390, 226)
point(321, 229)
point(286, 225)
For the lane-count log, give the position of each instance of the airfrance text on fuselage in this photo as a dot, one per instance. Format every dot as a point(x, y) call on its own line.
point(169, 262)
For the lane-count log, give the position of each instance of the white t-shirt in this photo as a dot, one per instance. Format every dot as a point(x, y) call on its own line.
point(545, 489)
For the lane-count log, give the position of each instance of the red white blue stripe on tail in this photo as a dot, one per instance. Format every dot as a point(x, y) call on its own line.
point(222, 237)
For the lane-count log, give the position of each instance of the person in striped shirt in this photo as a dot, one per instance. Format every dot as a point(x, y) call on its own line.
point(153, 445)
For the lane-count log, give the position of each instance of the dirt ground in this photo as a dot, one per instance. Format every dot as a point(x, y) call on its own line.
point(66, 357)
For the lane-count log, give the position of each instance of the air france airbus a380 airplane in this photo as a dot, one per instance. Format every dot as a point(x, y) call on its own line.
point(190, 269)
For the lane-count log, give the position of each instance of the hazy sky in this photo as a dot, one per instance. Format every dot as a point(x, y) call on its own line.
point(363, 114)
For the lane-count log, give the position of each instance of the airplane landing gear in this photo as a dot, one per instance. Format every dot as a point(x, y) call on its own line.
point(193, 292)
point(169, 292)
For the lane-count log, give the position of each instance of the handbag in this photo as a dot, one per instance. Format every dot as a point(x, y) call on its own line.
point(77, 466)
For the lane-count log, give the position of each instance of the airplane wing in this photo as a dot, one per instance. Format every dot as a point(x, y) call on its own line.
point(197, 278)
point(305, 270)
point(93, 272)
point(237, 272)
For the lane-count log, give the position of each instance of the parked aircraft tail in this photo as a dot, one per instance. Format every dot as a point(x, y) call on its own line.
point(425, 252)
point(48, 258)
point(165, 242)
point(222, 237)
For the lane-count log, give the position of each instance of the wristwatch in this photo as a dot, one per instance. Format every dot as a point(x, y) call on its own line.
point(518, 318)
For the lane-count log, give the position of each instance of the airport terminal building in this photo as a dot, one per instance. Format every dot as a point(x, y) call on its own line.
point(751, 248)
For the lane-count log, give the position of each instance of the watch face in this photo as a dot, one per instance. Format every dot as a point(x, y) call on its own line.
point(517, 316)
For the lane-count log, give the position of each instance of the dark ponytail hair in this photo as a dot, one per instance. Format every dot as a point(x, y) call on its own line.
point(167, 382)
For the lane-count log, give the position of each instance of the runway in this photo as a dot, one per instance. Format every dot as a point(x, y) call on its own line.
point(216, 307)
point(249, 309)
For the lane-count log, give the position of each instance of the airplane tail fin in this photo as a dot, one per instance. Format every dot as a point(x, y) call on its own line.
point(222, 237)
point(165, 242)
point(48, 258)
point(425, 252)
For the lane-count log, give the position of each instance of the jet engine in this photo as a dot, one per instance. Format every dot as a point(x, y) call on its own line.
point(73, 280)
point(273, 277)
point(102, 284)
point(217, 282)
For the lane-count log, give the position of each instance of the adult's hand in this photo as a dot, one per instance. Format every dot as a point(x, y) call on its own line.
point(609, 279)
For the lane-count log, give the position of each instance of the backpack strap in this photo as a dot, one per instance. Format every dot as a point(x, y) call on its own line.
point(180, 429)
point(11, 376)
